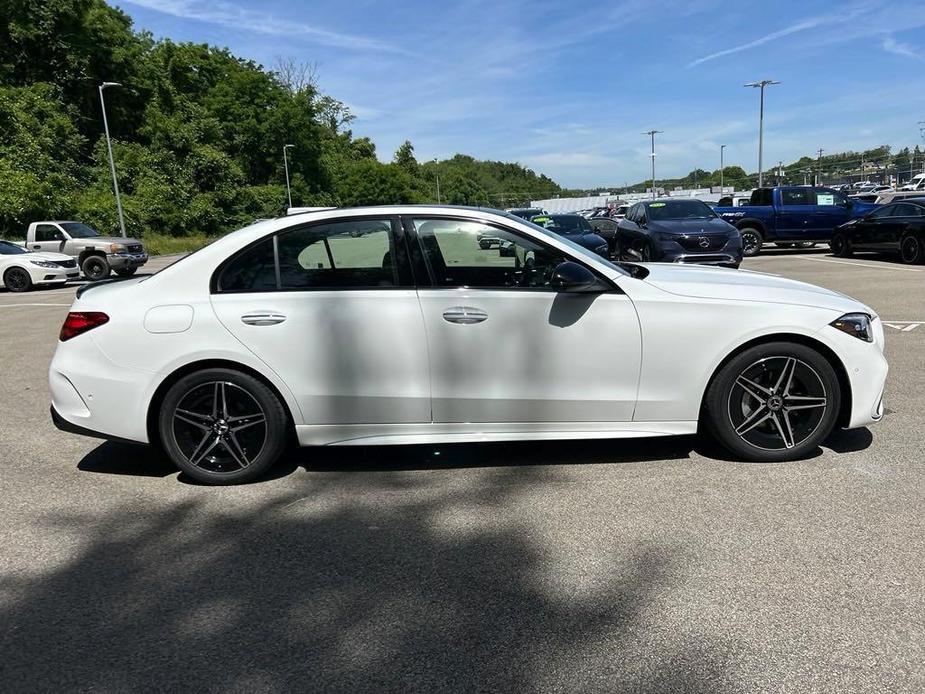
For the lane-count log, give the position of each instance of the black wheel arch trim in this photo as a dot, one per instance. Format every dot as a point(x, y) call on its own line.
point(841, 373)
point(752, 223)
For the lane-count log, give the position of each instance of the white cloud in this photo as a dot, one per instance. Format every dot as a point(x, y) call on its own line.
point(891, 45)
point(234, 17)
point(793, 29)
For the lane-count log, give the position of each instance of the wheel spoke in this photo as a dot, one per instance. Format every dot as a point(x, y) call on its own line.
point(194, 415)
point(253, 421)
point(197, 456)
point(215, 400)
point(756, 391)
point(784, 430)
point(232, 446)
point(800, 402)
point(786, 377)
point(224, 401)
point(184, 417)
point(756, 418)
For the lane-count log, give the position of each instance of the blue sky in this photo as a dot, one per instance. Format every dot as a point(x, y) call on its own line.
point(568, 88)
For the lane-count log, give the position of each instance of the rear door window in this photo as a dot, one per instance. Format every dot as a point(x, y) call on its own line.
point(797, 196)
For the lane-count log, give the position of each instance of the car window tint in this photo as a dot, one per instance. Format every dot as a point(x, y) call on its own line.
point(907, 209)
point(46, 232)
point(342, 254)
point(797, 196)
point(827, 197)
point(252, 270)
point(881, 212)
point(471, 254)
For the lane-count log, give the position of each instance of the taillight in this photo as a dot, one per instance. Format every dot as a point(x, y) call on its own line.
point(78, 322)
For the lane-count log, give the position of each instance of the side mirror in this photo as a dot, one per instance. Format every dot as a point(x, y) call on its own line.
point(572, 277)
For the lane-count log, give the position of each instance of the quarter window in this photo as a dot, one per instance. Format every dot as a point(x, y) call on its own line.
point(907, 209)
point(470, 254)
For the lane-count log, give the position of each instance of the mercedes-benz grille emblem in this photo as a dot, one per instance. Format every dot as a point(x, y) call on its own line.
point(703, 242)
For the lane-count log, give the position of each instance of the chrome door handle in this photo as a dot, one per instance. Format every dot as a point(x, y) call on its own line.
point(263, 318)
point(465, 315)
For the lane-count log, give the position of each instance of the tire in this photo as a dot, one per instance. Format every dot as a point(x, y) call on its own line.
point(17, 280)
point(910, 249)
point(95, 268)
point(840, 245)
point(126, 271)
point(645, 253)
point(222, 426)
point(752, 240)
point(759, 414)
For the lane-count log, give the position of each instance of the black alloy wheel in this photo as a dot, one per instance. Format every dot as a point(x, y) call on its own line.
point(17, 280)
point(774, 402)
point(840, 245)
point(751, 241)
point(910, 249)
point(222, 426)
point(95, 268)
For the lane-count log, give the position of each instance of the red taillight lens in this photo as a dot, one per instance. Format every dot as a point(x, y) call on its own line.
point(78, 322)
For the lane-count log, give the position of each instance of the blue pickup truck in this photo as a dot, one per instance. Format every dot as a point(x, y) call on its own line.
point(791, 214)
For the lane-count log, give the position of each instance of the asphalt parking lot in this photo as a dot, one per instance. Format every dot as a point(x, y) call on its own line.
point(654, 565)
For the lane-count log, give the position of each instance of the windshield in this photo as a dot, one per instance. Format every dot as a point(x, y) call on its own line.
point(578, 250)
point(564, 223)
point(76, 230)
point(679, 209)
point(7, 248)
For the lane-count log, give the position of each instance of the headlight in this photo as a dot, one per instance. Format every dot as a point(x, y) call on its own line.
point(43, 263)
point(855, 324)
point(117, 248)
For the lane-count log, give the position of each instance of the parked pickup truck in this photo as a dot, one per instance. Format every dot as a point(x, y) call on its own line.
point(791, 214)
point(97, 255)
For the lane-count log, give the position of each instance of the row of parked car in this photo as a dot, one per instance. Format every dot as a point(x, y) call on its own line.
point(687, 230)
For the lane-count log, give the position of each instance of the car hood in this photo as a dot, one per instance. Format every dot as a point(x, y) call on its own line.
point(743, 285)
point(110, 239)
point(45, 255)
point(691, 226)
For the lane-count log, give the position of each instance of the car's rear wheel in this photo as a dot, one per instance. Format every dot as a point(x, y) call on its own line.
point(773, 402)
point(95, 268)
point(752, 240)
point(222, 426)
point(840, 245)
point(17, 280)
point(910, 249)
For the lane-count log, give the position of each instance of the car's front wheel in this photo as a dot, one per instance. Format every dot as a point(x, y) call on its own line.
point(95, 268)
point(126, 271)
point(840, 245)
point(752, 240)
point(17, 280)
point(222, 426)
point(773, 402)
point(910, 249)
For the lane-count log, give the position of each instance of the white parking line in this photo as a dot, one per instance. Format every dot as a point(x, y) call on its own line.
point(849, 262)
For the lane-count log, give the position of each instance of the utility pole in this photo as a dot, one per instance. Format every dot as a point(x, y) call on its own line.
point(780, 172)
point(286, 166)
point(761, 85)
point(819, 167)
point(652, 134)
point(721, 181)
point(437, 174)
point(112, 163)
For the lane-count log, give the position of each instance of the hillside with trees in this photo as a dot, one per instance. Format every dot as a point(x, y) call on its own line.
point(197, 133)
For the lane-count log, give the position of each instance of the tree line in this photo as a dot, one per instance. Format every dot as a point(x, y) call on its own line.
point(197, 133)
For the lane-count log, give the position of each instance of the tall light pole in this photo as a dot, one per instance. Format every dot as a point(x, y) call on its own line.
point(112, 163)
point(819, 168)
point(437, 175)
point(761, 85)
point(286, 167)
point(721, 179)
point(652, 134)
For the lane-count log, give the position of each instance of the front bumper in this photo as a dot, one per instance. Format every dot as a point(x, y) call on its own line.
point(120, 261)
point(866, 368)
point(45, 275)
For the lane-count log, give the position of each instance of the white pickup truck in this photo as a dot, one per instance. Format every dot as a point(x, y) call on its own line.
point(96, 255)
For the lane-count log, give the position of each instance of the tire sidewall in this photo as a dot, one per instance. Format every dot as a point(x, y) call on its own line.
point(95, 260)
point(759, 241)
point(916, 256)
point(17, 271)
point(718, 395)
point(277, 425)
point(840, 245)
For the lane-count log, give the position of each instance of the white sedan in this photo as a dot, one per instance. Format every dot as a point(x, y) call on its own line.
point(392, 325)
point(20, 270)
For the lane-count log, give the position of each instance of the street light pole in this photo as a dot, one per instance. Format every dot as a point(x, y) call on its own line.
point(761, 85)
point(112, 163)
point(721, 179)
point(286, 167)
point(652, 134)
point(437, 175)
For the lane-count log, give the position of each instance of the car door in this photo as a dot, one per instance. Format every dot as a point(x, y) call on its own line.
point(873, 232)
point(795, 213)
point(48, 237)
point(904, 215)
point(831, 210)
point(505, 347)
point(331, 308)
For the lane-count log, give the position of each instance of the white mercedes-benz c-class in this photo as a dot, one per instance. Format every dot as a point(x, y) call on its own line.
point(393, 325)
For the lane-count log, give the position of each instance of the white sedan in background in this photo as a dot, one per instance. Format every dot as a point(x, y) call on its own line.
point(393, 325)
point(20, 270)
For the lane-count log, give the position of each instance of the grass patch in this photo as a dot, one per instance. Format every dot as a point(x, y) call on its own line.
point(162, 244)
